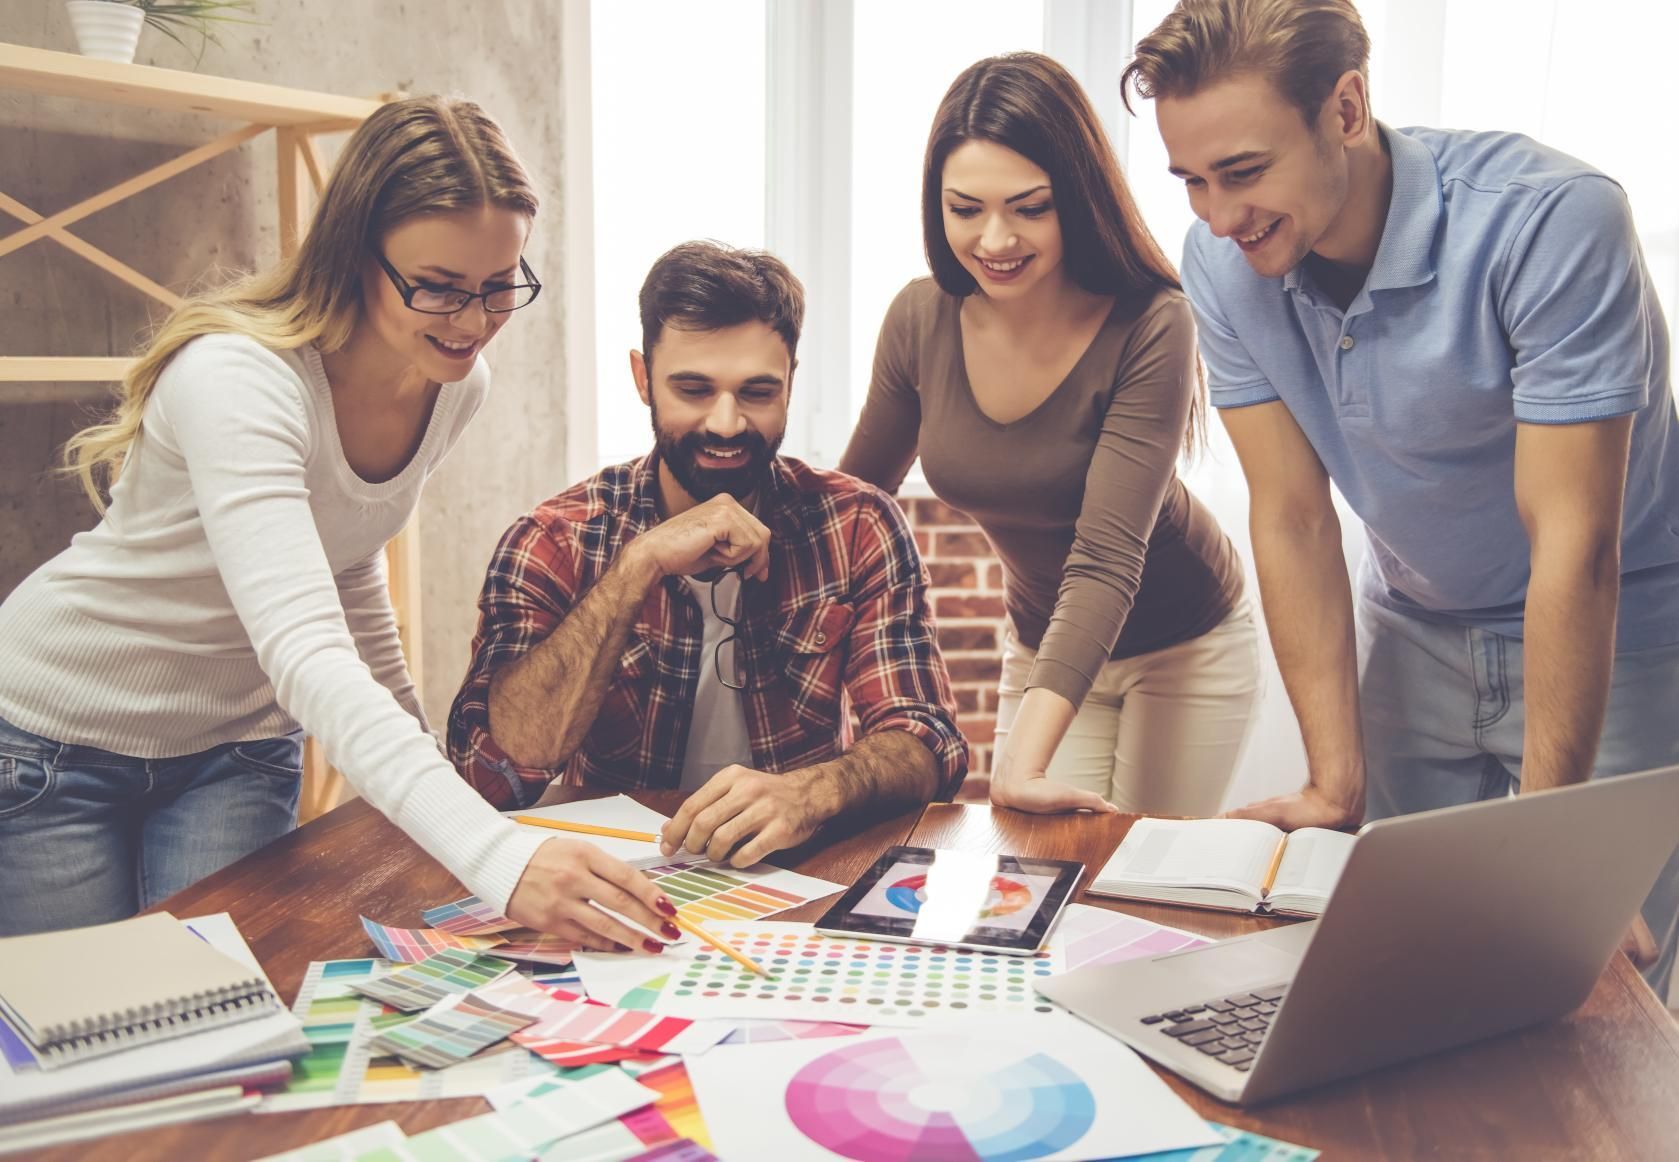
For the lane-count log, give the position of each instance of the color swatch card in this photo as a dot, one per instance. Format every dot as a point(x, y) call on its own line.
point(468, 917)
point(862, 982)
point(450, 1031)
point(1088, 935)
point(633, 1133)
point(526, 1129)
point(535, 947)
point(1052, 1088)
point(419, 986)
point(708, 893)
point(643, 1032)
point(412, 945)
point(1238, 1146)
point(342, 1068)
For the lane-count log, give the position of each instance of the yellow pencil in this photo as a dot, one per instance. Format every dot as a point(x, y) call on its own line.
point(732, 954)
point(586, 828)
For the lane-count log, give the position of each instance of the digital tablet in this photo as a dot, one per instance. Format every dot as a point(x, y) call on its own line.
point(963, 899)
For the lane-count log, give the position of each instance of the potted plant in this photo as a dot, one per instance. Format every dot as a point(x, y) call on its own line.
point(110, 29)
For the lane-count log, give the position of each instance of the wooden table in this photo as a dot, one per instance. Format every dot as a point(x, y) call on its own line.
point(1600, 1083)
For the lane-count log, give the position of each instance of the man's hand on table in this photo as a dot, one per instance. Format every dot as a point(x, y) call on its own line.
point(746, 812)
point(1311, 807)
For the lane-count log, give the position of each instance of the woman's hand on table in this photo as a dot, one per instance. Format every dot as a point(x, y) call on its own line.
point(568, 883)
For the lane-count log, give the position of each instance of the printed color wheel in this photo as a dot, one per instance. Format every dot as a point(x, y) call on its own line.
point(1007, 896)
point(944, 1097)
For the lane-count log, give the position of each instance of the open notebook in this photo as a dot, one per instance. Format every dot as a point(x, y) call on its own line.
point(87, 992)
point(1241, 865)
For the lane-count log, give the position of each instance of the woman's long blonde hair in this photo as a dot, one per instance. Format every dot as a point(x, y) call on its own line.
point(423, 155)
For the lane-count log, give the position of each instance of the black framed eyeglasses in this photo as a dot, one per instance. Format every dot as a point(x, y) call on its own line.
point(448, 301)
point(726, 657)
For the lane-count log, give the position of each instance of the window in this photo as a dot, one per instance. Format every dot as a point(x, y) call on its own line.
point(678, 139)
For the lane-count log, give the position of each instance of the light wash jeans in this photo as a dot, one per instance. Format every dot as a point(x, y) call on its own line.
point(1161, 732)
point(1443, 720)
point(87, 836)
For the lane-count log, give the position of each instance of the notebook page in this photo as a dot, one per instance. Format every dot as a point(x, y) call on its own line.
point(1312, 862)
point(1218, 853)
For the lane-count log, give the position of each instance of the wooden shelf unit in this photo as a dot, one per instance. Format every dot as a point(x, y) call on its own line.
point(296, 117)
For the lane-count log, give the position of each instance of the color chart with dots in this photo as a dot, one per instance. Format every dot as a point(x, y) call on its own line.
point(862, 981)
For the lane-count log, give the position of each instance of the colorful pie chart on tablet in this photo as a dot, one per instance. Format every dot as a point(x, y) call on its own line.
point(939, 1097)
point(1007, 896)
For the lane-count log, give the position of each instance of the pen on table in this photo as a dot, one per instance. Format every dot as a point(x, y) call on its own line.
point(586, 828)
point(720, 946)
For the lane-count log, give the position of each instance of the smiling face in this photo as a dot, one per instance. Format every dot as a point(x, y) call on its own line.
point(719, 404)
point(999, 219)
point(1256, 172)
point(474, 250)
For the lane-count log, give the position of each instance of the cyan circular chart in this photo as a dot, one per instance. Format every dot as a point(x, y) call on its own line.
point(947, 1097)
point(1006, 895)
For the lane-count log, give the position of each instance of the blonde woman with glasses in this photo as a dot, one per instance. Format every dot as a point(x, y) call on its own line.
point(156, 677)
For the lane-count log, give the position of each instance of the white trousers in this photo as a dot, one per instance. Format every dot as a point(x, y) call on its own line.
point(1161, 732)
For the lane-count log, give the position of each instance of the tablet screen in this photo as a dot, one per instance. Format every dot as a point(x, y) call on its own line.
point(959, 898)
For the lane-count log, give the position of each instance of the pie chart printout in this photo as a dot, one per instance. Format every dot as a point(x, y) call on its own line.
point(1006, 897)
point(943, 1097)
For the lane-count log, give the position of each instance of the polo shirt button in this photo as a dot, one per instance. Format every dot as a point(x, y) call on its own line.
point(1346, 342)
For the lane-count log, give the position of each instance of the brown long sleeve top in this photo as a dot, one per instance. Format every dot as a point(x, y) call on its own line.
point(1105, 553)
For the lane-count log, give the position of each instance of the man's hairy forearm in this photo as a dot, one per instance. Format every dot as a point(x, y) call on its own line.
point(543, 705)
point(885, 767)
point(1568, 654)
point(1308, 610)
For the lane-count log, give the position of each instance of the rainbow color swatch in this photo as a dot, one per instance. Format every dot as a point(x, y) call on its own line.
point(939, 1097)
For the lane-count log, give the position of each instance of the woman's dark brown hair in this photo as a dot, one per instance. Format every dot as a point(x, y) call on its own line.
point(1027, 102)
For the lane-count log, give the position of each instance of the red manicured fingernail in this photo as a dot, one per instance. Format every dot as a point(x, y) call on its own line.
point(671, 931)
point(666, 906)
point(621, 947)
point(652, 945)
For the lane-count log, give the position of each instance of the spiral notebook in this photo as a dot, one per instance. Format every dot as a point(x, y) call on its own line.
point(86, 992)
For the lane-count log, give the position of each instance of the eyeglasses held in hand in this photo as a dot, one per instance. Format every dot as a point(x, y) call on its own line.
point(498, 300)
point(726, 658)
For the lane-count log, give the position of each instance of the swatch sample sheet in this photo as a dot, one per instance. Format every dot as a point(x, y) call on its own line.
point(1022, 1089)
point(450, 1031)
point(342, 1068)
point(412, 945)
point(852, 981)
point(419, 986)
point(1087, 935)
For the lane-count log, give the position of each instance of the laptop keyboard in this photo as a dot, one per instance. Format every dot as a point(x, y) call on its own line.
point(1228, 1029)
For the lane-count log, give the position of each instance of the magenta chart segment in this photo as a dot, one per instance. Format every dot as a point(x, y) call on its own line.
point(943, 1097)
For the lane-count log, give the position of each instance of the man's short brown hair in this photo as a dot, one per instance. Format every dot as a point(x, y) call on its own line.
point(706, 286)
point(1303, 47)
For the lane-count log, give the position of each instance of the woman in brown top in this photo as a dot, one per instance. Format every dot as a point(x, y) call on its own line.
point(1047, 375)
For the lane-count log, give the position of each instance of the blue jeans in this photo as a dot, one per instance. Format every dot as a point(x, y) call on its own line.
point(87, 836)
point(1443, 719)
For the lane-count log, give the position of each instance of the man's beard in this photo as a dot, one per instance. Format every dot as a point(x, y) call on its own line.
point(740, 481)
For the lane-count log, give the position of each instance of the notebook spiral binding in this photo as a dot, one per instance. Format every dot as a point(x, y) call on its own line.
point(209, 1014)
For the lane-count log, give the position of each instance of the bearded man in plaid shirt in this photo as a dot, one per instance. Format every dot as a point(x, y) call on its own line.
point(706, 617)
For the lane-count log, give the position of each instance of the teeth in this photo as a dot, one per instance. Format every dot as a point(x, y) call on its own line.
point(1255, 237)
point(724, 453)
point(448, 346)
point(1002, 267)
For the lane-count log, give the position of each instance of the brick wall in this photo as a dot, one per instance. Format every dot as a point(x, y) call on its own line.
point(967, 597)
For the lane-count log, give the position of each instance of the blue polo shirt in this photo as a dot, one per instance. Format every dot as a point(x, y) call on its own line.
point(1509, 287)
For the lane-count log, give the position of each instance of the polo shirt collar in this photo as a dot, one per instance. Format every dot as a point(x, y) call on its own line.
point(1405, 256)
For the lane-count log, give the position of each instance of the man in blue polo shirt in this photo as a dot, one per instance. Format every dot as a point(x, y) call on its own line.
point(1459, 331)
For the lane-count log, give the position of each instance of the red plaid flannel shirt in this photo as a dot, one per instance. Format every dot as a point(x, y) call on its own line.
point(843, 617)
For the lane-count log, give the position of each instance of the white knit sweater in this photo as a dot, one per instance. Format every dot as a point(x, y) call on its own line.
point(236, 589)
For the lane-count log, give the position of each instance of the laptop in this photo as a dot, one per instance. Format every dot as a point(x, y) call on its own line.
point(1446, 927)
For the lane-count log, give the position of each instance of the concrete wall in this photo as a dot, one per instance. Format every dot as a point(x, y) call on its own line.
point(505, 54)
